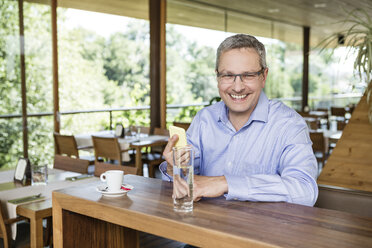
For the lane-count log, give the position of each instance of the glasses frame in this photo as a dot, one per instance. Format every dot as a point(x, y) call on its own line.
point(254, 74)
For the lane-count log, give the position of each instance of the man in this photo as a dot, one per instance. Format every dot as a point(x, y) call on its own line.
point(247, 147)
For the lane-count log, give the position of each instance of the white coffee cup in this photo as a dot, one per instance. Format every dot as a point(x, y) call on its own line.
point(113, 179)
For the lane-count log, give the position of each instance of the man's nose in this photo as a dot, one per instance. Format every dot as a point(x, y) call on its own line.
point(238, 83)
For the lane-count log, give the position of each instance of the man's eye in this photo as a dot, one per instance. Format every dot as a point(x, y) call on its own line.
point(227, 76)
point(248, 76)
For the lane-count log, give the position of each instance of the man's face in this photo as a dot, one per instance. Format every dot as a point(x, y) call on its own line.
point(240, 97)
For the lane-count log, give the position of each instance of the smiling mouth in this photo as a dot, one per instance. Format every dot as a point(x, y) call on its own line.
point(237, 97)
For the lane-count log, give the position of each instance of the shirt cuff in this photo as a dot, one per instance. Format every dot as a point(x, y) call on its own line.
point(164, 174)
point(233, 185)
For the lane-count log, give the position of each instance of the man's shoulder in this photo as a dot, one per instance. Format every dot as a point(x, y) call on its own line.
point(214, 109)
point(279, 111)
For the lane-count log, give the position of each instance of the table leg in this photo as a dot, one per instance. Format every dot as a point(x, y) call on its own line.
point(36, 232)
point(139, 164)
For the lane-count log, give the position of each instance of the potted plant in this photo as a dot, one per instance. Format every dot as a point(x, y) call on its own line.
point(358, 36)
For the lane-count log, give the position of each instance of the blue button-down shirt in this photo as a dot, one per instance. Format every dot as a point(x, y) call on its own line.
point(269, 159)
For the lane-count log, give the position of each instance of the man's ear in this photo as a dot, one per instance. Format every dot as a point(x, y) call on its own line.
point(265, 73)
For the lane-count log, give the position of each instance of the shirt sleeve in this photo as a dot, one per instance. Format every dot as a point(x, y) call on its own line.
point(295, 181)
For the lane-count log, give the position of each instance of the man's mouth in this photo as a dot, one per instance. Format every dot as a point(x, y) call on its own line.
point(238, 96)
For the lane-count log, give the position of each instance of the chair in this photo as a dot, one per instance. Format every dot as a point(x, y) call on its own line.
point(5, 232)
point(23, 231)
point(325, 119)
point(71, 164)
point(322, 109)
point(161, 131)
point(108, 149)
point(66, 145)
point(184, 125)
point(312, 122)
point(320, 147)
point(103, 167)
point(338, 111)
point(341, 125)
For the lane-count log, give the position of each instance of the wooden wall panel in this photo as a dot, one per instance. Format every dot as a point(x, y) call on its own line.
point(350, 164)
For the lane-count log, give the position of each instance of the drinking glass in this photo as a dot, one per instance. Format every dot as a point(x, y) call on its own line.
point(39, 174)
point(183, 178)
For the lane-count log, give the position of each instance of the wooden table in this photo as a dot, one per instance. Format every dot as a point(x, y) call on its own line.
point(160, 141)
point(84, 218)
point(37, 211)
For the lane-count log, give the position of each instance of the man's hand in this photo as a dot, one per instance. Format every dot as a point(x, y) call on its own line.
point(180, 187)
point(168, 153)
point(209, 186)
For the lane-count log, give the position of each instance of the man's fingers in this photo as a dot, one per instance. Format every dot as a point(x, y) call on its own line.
point(171, 143)
point(180, 188)
point(167, 153)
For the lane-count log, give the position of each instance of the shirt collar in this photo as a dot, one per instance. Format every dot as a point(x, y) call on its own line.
point(260, 113)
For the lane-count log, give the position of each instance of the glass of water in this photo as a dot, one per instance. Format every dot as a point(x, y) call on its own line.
point(183, 178)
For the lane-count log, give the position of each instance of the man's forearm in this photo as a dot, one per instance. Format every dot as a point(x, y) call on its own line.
point(205, 186)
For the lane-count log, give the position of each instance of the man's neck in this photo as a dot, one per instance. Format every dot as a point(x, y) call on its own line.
point(239, 120)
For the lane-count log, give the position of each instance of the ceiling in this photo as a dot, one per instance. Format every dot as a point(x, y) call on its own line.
point(312, 13)
point(322, 16)
point(279, 19)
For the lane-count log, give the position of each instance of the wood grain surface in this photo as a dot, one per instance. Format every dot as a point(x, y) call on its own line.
point(350, 164)
point(214, 222)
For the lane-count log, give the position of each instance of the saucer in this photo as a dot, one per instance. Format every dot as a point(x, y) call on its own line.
point(104, 191)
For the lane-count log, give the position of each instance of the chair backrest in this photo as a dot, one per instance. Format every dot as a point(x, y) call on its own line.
point(341, 125)
point(102, 167)
point(312, 122)
point(313, 125)
point(338, 111)
point(161, 131)
point(66, 145)
point(4, 229)
point(184, 125)
point(318, 141)
point(106, 148)
point(322, 109)
point(319, 145)
point(143, 129)
point(71, 164)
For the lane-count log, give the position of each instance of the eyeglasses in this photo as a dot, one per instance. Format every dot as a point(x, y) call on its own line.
point(247, 77)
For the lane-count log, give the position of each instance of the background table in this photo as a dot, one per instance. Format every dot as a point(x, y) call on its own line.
point(83, 216)
point(35, 211)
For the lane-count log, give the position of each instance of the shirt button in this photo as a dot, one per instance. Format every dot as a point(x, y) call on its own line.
point(235, 199)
